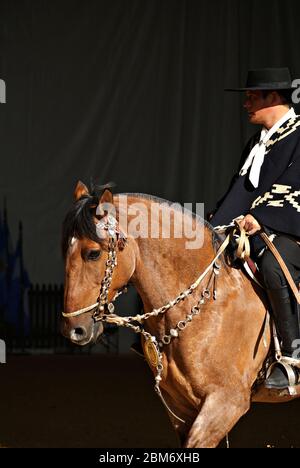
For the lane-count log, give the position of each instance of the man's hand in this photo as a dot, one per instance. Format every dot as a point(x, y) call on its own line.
point(250, 225)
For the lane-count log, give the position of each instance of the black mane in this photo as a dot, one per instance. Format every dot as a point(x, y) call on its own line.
point(79, 221)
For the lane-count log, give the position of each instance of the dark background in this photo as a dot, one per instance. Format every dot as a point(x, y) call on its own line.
point(129, 91)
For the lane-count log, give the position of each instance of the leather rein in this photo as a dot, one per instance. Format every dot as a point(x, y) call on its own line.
point(103, 309)
point(153, 346)
point(102, 305)
point(118, 239)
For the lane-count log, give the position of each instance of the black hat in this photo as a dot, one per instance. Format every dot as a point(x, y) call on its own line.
point(267, 79)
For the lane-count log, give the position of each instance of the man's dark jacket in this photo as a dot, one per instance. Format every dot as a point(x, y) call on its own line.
point(275, 203)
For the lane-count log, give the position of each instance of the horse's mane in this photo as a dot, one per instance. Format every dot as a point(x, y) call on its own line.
point(79, 220)
point(216, 238)
point(176, 206)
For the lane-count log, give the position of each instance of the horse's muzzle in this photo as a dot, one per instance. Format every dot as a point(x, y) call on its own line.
point(82, 335)
point(78, 335)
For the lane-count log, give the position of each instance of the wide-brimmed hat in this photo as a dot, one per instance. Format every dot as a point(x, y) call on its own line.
point(267, 79)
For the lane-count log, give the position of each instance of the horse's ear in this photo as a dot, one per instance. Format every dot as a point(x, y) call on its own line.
point(107, 197)
point(80, 190)
point(106, 203)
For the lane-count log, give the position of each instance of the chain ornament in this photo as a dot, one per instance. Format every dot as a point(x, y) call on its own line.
point(111, 226)
point(107, 223)
point(181, 325)
point(151, 341)
point(110, 265)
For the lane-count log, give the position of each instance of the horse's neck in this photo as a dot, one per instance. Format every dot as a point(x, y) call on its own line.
point(167, 266)
point(163, 270)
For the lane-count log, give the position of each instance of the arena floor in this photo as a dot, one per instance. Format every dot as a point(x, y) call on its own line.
point(108, 401)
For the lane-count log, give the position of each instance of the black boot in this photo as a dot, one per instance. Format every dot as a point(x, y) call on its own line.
point(279, 378)
point(285, 311)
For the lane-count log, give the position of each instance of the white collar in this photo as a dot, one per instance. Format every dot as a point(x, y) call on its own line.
point(266, 134)
point(257, 154)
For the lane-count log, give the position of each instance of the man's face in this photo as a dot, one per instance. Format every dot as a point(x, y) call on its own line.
point(257, 106)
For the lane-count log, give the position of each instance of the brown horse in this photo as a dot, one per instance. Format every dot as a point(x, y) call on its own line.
point(209, 365)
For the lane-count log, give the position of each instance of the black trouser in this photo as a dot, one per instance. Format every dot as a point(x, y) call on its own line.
point(270, 268)
point(283, 303)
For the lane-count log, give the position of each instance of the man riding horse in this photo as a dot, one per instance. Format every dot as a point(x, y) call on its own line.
point(266, 192)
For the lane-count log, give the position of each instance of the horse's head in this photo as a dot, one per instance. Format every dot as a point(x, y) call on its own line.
point(98, 263)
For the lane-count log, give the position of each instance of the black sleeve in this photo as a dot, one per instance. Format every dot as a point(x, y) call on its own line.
point(251, 142)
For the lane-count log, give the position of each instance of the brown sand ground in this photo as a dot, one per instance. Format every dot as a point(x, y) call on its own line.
point(108, 401)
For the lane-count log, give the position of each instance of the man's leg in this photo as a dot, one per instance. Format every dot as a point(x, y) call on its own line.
point(285, 311)
point(283, 303)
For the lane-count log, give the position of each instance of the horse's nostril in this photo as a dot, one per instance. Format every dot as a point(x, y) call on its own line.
point(78, 334)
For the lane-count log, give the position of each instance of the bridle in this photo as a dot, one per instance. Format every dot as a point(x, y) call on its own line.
point(104, 310)
point(116, 239)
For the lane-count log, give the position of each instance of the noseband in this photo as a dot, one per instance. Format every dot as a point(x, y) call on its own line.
point(116, 239)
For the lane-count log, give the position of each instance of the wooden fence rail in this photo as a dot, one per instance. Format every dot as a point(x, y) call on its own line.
point(40, 321)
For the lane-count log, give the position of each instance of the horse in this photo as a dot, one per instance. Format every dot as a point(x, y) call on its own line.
point(206, 352)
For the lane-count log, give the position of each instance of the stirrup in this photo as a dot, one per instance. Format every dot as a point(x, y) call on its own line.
point(290, 361)
point(292, 375)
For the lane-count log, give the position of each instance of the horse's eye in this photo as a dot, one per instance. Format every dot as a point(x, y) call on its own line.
point(93, 254)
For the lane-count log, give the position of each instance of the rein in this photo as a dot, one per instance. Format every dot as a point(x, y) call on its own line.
point(152, 346)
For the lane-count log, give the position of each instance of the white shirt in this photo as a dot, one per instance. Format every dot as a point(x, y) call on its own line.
point(257, 154)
